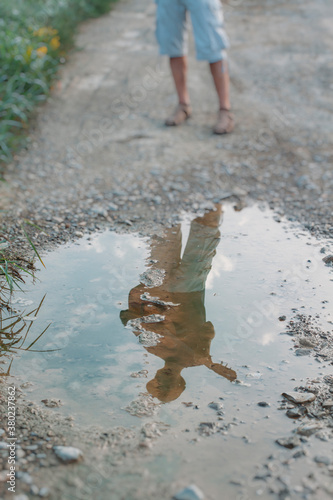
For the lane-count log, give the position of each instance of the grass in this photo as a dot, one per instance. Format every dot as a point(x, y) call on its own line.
point(35, 36)
point(15, 326)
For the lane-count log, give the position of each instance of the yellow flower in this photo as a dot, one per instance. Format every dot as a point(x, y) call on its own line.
point(42, 51)
point(45, 31)
point(27, 55)
point(55, 43)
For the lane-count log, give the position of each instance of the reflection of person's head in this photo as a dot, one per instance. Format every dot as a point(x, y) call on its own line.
point(167, 385)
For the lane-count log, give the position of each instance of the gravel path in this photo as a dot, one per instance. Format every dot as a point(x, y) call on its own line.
point(100, 155)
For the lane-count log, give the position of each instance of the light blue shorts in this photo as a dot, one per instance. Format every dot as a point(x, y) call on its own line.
point(211, 41)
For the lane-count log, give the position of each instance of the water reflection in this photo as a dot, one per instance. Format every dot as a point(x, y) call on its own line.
point(15, 327)
point(186, 336)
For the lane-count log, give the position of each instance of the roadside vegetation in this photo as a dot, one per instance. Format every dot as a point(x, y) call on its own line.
point(35, 36)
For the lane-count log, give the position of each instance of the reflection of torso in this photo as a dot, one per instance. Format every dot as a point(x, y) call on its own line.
point(186, 336)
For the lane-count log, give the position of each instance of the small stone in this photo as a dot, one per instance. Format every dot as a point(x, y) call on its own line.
point(328, 260)
point(322, 460)
point(289, 443)
point(296, 412)
point(34, 490)
point(282, 318)
point(263, 404)
point(299, 454)
point(32, 447)
point(215, 406)
point(304, 342)
point(21, 497)
point(44, 492)
point(2, 431)
point(52, 403)
point(24, 477)
point(299, 397)
point(308, 429)
point(303, 352)
point(190, 493)
point(328, 403)
point(68, 454)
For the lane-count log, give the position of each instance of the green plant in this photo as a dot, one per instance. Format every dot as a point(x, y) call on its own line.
point(35, 36)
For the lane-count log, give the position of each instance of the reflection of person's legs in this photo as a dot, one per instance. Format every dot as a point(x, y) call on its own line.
point(200, 249)
point(166, 251)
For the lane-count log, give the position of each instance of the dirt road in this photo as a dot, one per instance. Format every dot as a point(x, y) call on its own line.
point(100, 156)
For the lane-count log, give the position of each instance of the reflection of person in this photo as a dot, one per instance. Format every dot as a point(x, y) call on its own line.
point(186, 335)
point(211, 43)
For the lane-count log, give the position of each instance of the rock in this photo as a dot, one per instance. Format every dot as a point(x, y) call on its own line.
point(304, 342)
point(263, 404)
point(21, 497)
point(44, 492)
point(282, 318)
point(322, 460)
point(215, 406)
point(32, 447)
point(289, 443)
point(52, 403)
point(24, 477)
point(208, 428)
point(2, 431)
point(296, 412)
point(68, 454)
point(34, 490)
point(299, 397)
point(303, 352)
point(192, 492)
point(328, 260)
point(3, 445)
point(328, 403)
point(308, 429)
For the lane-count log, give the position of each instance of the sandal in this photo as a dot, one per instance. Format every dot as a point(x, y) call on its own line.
point(180, 115)
point(225, 122)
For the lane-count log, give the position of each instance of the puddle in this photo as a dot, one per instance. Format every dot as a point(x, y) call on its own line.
point(162, 328)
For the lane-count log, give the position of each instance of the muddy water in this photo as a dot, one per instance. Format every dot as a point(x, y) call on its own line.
point(157, 330)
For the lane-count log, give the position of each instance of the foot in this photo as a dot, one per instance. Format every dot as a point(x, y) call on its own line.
point(181, 114)
point(225, 122)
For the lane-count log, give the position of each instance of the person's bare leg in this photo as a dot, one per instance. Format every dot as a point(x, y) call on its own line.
point(225, 121)
point(220, 75)
point(179, 72)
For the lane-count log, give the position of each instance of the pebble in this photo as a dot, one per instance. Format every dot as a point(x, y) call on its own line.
point(21, 497)
point(296, 412)
point(2, 431)
point(215, 406)
point(299, 397)
point(68, 454)
point(263, 404)
point(322, 460)
point(24, 477)
point(191, 492)
point(303, 352)
point(44, 492)
point(328, 260)
point(328, 403)
point(308, 429)
point(290, 442)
